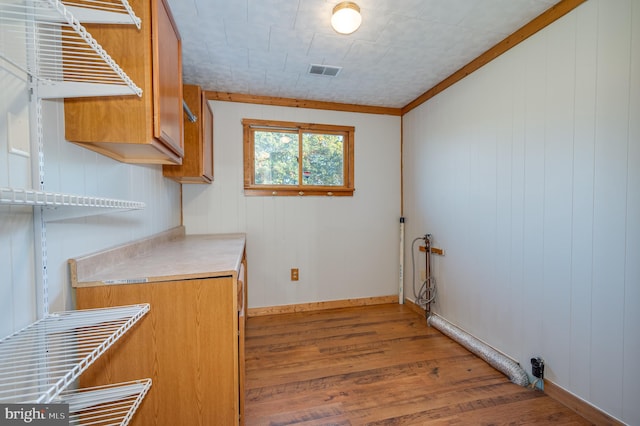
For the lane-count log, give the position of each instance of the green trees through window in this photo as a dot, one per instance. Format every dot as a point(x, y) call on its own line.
point(276, 158)
point(283, 158)
point(322, 159)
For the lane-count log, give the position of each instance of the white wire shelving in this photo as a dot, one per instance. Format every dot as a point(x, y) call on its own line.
point(40, 361)
point(46, 40)
point(58, 206)
point(62, 57)
point(31, 197)
point(105, 405)
point(102, 11)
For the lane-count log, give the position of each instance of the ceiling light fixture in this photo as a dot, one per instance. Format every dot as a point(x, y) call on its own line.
point(346, 18)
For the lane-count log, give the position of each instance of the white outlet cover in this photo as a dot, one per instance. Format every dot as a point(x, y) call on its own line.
point(18, 133)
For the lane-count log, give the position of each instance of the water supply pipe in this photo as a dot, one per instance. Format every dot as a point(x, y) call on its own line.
point(401, 278)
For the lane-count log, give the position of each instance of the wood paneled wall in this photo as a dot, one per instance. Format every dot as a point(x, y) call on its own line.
point(17, 301)
point(344, 247)
point(72, 170)
point(527, 174)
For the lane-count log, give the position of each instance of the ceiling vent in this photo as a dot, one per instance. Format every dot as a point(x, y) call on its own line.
point(327, 70)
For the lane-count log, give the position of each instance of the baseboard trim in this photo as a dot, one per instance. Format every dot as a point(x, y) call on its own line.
point(581, 407)
point(415, 307)
point(318, 306)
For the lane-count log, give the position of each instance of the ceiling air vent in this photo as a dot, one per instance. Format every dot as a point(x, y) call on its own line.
point(327, 70)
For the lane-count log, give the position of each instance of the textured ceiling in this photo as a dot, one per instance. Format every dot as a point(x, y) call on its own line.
point(402, 49)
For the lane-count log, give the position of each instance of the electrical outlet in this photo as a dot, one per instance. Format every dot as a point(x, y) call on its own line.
point(294, 274)
point(423, 275)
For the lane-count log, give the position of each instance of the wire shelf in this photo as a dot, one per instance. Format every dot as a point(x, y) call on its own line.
point(40, 361)
point(63, 58)
point(105, 405)
point(29, 197)
point(103, 11)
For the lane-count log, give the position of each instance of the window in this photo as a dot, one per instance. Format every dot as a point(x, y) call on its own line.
point(285, 158)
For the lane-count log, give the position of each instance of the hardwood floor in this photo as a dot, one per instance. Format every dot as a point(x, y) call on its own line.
point(377, 365)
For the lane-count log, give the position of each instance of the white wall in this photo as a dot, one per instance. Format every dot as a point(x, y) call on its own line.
point(527, 173)
point(73, 170)
point(17, 307)
point(344, 247)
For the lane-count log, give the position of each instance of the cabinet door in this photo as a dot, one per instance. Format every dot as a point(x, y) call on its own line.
point(197, 162)
point(187, 344)
point(242, 318)
point(207, 139)
point(167, 78)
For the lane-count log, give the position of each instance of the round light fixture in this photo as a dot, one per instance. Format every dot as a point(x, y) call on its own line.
point(346, 18)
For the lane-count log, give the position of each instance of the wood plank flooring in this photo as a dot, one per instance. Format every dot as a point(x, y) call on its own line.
point(377, 365)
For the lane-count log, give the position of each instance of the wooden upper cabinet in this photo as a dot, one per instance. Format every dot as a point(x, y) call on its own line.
point(197, 164)
point(167, 79)
point(134, 129)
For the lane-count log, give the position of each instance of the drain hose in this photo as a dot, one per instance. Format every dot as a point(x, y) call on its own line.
point(497, 360)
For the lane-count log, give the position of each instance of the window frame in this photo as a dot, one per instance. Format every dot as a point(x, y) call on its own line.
point(250, 126)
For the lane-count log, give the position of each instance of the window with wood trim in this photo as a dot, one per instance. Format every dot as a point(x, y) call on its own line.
point(288, 158)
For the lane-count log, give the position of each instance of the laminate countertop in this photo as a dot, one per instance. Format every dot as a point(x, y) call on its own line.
point(166, 257)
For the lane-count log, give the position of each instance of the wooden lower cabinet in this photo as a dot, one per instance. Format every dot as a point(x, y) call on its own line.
point(190, 344)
